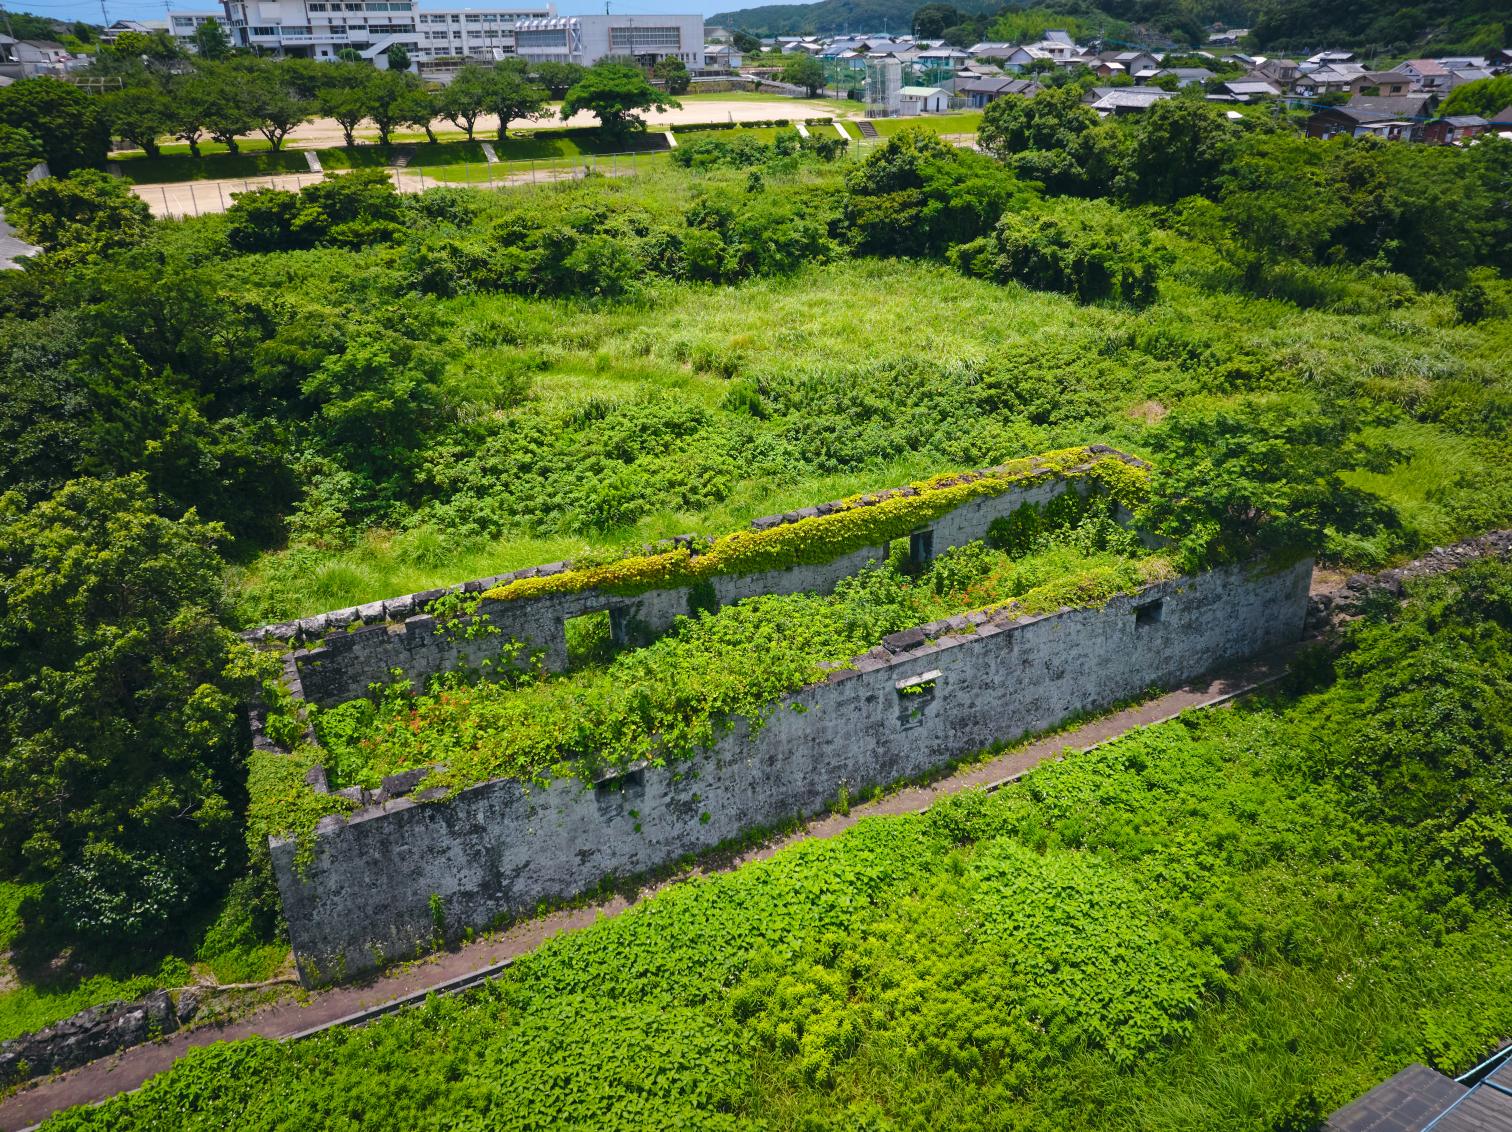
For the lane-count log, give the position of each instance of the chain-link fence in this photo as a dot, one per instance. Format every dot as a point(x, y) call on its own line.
point(199, 198)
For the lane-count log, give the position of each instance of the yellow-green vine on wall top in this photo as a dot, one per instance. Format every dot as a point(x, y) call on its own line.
point(855, 522)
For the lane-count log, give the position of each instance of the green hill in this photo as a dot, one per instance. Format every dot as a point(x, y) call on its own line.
point(1380, 26)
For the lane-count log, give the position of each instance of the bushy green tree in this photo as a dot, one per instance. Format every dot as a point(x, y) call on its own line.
point(210, 40)
point(344, 96)
point(389, 96)
point(674, 72)
point(1051, 138)
point(510, 96)
point(217, 96)
point(465, 99)
point(1257, 476)
point(398, 57)
point(20, 151)
point(120, 788)
point(276, 105)
point(612, 93)
point(802, 69)
point(557, 78)
point(139, 116)
point(1179, 149)
point(918, 195)
point(70, 124)
point(1094, 252)
point(85, 213)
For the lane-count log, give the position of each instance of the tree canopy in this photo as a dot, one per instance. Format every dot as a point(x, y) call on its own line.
point(612, 93)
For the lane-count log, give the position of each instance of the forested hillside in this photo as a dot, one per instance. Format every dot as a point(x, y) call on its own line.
point(1375, 26)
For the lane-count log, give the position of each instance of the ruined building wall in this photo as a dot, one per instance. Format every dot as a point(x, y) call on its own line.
point(500, 848)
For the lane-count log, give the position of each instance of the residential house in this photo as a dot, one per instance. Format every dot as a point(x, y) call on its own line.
point(1360, 121)
point(1455, 129)
point(1187, 76)
point(980, 92)
point(1330, 58)
point(1502, 123)
point(1020, 58)
point(943, 58)
point(913, 100)
point(990, 50)
point(1227, 38)
point(1124, 99)
point(1250, 89)
point(1415, 107)
point(1059, 45)
point(1427, 74)
point(1387, 130)
point(1388, 84)
point(32, 57)
point(1345, 78)
point(1459, 76)
point(1283, 72)
point(722, 57)
point(1133, 61)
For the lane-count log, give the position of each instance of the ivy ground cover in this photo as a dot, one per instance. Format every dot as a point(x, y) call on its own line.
point(1236, 920)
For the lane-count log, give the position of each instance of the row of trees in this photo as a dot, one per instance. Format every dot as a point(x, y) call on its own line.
point(228, 99)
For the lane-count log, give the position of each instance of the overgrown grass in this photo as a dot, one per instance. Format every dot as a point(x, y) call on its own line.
point(804, 359)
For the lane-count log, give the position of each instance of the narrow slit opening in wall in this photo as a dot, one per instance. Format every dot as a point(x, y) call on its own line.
point(592, 638)
point(921, 549)
point(1150, 613)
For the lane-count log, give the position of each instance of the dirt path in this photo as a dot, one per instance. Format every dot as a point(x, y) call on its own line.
point(483, 958)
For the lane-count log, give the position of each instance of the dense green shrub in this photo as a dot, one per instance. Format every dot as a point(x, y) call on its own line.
point(121, 790)
point(1093, 252)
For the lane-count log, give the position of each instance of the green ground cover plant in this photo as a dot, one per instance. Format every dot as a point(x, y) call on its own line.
point(374, 394)
point(1240, 919)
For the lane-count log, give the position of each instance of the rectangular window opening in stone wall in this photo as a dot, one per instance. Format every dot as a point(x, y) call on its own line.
point(1150, 613)
point(592, 638)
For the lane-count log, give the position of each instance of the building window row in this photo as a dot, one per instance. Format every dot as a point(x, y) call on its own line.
point(634, 39)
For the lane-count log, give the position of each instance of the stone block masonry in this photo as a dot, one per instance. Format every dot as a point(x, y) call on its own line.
point(364, 645)
point(497, 850)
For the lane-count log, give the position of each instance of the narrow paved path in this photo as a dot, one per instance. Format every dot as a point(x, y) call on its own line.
point(338, 1005)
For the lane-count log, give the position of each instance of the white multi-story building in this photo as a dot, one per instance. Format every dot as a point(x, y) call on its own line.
point(182, 25)
point(473, 33)
point(320, 29)
point(587, 39)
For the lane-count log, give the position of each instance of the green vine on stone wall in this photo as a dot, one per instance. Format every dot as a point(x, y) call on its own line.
point(859, 521)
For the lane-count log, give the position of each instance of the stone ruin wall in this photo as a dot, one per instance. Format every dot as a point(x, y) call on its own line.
point(337, 656)
point(923, 698)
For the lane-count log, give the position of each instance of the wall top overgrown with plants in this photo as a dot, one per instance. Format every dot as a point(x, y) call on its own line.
point(809, 534)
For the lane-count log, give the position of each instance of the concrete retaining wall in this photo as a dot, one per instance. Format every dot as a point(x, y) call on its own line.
point(500, 848)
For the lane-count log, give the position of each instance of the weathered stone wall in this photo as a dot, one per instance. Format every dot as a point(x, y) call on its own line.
point(923, 698)
point(88, 1035)
point(397, 634)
